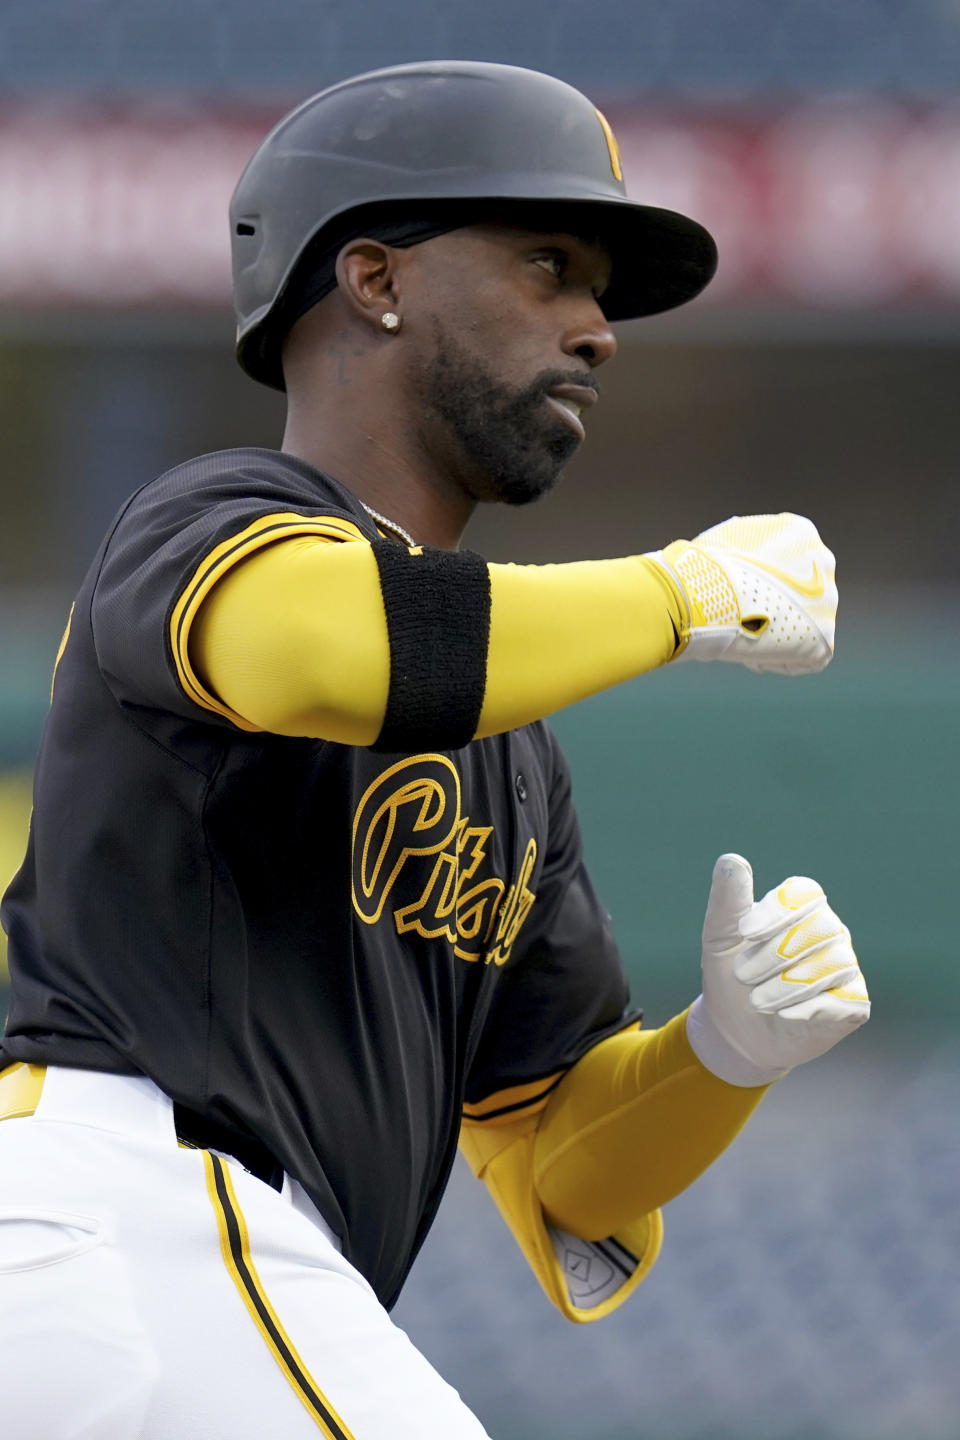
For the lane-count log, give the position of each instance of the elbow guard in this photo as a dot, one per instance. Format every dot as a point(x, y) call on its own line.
point(584, 1279)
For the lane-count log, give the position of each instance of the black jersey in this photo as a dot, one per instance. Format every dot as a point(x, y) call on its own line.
point(324, 948)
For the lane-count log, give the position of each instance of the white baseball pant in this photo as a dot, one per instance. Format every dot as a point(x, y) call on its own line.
point(154, 1292)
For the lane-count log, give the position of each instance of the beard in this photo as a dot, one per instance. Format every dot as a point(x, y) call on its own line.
point(511, 437)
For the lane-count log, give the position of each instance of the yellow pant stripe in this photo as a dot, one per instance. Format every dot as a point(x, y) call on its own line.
point(20, 1087)
point(235, 1246)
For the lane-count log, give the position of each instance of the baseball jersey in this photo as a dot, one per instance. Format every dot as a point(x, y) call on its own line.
point(324, 949)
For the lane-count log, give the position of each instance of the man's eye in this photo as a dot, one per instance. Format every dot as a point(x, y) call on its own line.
point(552, 263)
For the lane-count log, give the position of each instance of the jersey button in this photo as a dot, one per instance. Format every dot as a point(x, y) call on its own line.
point(521, 785)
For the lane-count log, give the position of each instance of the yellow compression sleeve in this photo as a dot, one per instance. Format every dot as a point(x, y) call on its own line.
point(633, 1123)
point(559, 633)
point(294, 638)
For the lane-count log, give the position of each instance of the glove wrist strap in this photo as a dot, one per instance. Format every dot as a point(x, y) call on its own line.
point(719, 1056)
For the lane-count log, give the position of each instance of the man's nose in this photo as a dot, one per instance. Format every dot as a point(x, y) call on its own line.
point(591, 338)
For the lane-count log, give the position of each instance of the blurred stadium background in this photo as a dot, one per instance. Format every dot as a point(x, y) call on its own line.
point(810, 1285)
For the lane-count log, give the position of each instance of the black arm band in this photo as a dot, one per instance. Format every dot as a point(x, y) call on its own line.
point(437, 604)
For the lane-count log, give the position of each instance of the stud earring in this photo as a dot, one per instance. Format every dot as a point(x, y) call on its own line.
point(389, 321)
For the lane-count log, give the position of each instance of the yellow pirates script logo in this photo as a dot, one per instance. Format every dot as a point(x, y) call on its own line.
point(409, 818)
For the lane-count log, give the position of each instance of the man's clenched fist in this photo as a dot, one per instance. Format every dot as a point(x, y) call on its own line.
point(781, 983)
point(759, 590)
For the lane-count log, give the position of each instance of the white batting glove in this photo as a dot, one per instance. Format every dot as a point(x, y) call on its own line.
point(781, 983)
point(759, 591)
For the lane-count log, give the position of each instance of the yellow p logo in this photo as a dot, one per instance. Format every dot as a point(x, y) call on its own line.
point(612, 145)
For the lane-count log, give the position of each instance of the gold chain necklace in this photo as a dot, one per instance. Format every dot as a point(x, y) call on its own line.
point(398, 530)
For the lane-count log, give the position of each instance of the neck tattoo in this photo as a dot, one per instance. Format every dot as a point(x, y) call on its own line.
point(398, 530)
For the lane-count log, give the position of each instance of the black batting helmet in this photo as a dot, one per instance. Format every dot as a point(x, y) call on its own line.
point(445, 131)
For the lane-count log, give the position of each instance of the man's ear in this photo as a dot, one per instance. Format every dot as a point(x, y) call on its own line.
point(367, 277)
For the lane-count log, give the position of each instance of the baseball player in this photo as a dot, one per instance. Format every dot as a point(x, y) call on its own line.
point(304, 900)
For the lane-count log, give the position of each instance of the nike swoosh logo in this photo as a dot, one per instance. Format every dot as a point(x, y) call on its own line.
point(813, 587)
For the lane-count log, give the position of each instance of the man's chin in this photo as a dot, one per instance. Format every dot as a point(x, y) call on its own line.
point(519, 464)
point(524, 489)
point(536, 475)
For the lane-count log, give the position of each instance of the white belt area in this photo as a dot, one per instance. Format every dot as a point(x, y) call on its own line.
point(120, 1104)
